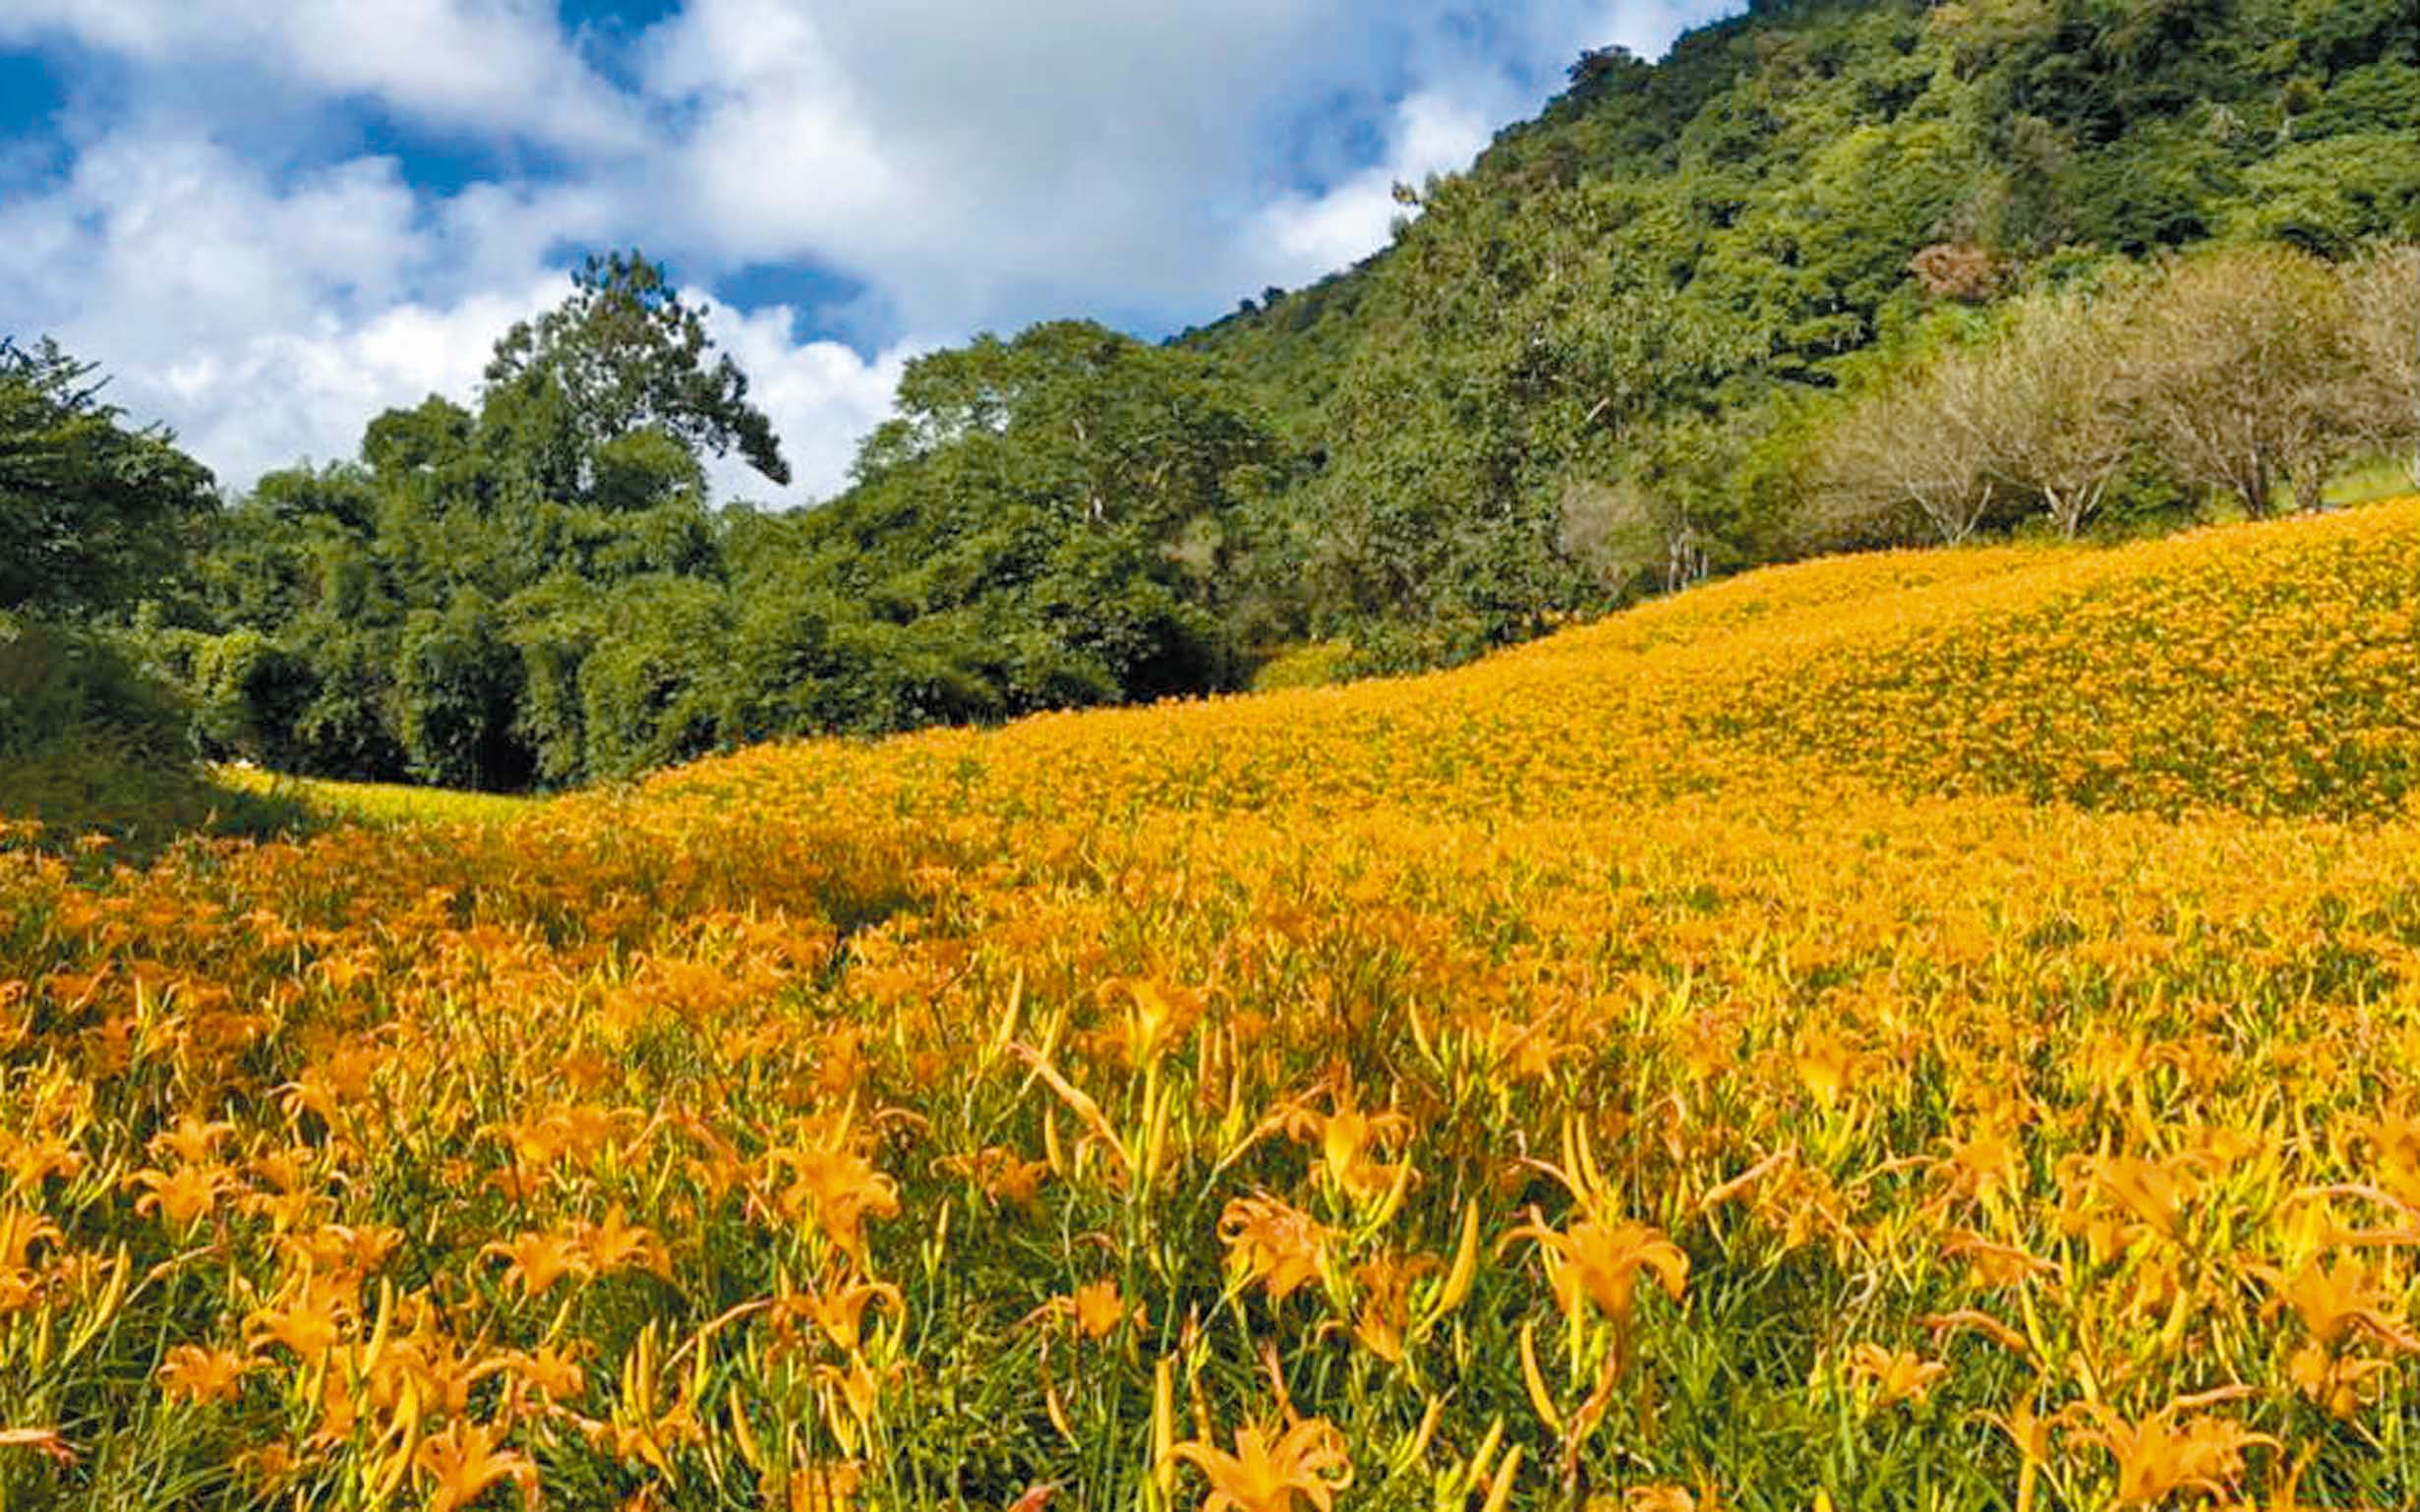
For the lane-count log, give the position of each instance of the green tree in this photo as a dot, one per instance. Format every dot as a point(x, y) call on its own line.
point(2332, 198)
point(92, 512)
point(625, 352)
point(1081, 497)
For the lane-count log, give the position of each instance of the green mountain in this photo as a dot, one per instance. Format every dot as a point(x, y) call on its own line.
point(1647, 283)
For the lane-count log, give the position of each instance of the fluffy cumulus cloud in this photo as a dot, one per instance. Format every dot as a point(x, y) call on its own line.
point(260, 268)
point(266, 318)
point(473, 64)
point(821, 396)
point(979, 162)
point(1305, 235)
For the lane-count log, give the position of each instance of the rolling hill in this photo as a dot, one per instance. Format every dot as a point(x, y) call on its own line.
point(1934, 1029)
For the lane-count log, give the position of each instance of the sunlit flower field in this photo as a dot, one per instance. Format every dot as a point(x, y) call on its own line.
point(1918, 1030)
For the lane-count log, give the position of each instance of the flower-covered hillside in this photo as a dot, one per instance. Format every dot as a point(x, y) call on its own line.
point(1933, 1030)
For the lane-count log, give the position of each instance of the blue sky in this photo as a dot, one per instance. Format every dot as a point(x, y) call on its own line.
point(270, 220)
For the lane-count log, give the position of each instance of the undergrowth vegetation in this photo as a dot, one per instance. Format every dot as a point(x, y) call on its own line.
point(89, 743)
point(1923, 1029)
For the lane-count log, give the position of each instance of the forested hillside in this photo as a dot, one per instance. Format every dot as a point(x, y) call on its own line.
point(1597, 360)
point(1831, 276)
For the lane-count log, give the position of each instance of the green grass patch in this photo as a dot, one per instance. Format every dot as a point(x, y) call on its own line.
point(374, 804)
point(2371, 482)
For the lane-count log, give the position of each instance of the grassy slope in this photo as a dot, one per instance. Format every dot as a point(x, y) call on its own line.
point(329, 800)
point(2003, 960)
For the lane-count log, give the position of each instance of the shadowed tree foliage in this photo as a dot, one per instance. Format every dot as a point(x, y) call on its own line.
point(95, 515)
point(425, 612)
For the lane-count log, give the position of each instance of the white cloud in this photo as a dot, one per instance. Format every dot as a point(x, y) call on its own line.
point(981, 162)
point(1648, 27)
point(782, 154)
point(490, 64)
point(970, 165)
point(985, 165)
point(821, 396)
point(264, 322)
point(1310, 236)
point(279, 396)
point(268, 323)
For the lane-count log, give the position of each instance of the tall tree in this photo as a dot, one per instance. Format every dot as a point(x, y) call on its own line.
point(625, 351)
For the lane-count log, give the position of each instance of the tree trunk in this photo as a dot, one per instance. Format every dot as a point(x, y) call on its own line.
point(2253, 483)
point(2064, 512)
point(2077, 505)
point(2310, 482)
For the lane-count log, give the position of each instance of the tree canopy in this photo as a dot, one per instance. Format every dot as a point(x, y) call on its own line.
point(623, 353)
point(92, 511)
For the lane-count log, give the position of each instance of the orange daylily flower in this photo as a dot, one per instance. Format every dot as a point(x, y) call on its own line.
point(1386, 1302)
point(2154, 1194)
point(1098, 1310)
point(615, 1244)
point(463, 1461)
point(310, 1324)
point(2340, 1383)
point(192, 1140)
point(549, 1371)
point(1001, 1173)
point(1600, 1264)
point(1898, 1375)
point(835, 1189)
point(2161, 1455)
point(841, 1312)
point(2334, 1297)
point(535, 1261)
point(1266, 1474)
point(181, 1197)
point(20, 1231)
point(1272, 1241)
point(1348, 1139)
point(345, 1251)
point(192, 1374)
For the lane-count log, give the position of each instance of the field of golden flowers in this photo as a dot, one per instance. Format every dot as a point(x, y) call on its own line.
point(1921, 1030)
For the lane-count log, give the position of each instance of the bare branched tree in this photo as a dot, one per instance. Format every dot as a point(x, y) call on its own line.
point(2384, 292)
point(2055, 428)
point(1628, 534)
point(1920, 444)
point(2240, 367)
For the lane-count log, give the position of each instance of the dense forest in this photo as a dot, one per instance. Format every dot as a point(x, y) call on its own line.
point(1833, 274)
